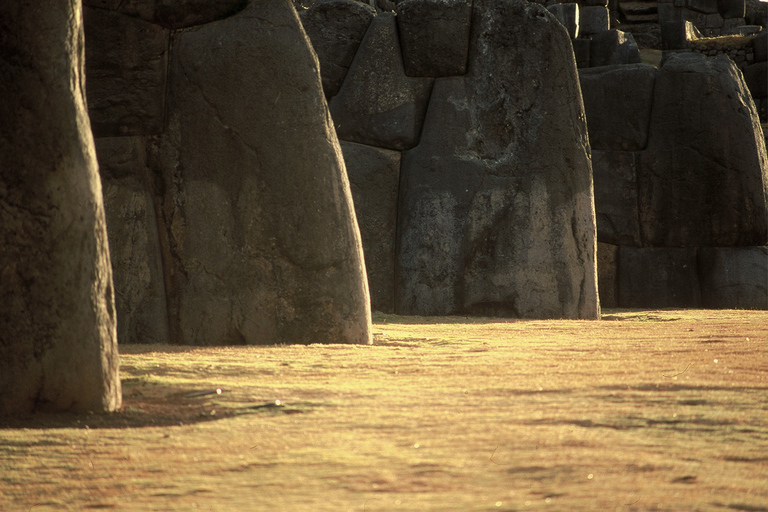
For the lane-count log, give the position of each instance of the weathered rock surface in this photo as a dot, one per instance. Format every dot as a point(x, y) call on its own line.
point(618, 101)
point(140, 300)
point(734, 277)
point(658, 277)
point(58, 348)
point(612, 47)
point(336, 28)
point(698, 186)
point(434, 36)
point(126, 59)
point(615, 177)
point(374, 176)
point(260, 227)
point(489, 222)
point(377, 104)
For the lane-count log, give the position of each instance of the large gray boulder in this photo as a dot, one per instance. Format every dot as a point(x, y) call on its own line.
point(374, 176)
point(58, 348)
point(377, 104)
point(260, 229)
point(434, 36)
point(137, 262)
point(336, 28)
point(496, 209)
point(126, 59)
point(699, 186)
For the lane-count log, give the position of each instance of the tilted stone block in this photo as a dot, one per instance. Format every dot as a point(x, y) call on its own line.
point(377, 103)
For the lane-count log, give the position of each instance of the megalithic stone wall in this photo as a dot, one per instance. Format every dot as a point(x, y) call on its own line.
point(57, 320)
point(680, 192)
point(228, 200)
point(494, 207)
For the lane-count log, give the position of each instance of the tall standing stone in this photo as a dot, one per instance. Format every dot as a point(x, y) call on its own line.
point(58, 347)
point(496, 205)
point(260, 234)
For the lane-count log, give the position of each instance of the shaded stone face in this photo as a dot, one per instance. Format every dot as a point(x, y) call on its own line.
point(57, 322)
point(260, 236)
point(489, 223)
point(698, 186)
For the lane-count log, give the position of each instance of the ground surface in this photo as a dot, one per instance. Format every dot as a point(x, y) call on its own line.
point(645, 410)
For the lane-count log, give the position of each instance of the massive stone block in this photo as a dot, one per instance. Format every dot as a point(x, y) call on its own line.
point(137, 264)
point(734, 277)
point(607, 274)
point(260, 231)
point(698, 186)
point(377, 104)
point(496, 214)
point(374, 176)
point(126, 66)
point(434, 36)
point(58, 349)
point(336, 28)
point(658, 277)
point(618, 101)
point(568, 15)
point(615, 177)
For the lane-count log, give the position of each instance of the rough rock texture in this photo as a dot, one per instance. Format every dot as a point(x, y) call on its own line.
point(173, 14)
point(140, 299)
point(490, 223)
point(607, 274)
point(698, 186)
point(612, 47)
point(374, 176)
point(57, 322)
point(756, 78)
point(734, 277)
point(336, 28)
point(658, 277)
point(377, 104)
point(261, 240)
point(731, 8)
point(618, 101)
point(126, 73)
point(434, 36)
point(615, 176)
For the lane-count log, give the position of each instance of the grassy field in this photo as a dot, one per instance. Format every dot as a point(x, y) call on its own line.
point(645, 410)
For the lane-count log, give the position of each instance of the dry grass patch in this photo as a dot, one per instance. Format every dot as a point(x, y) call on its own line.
point(646, 410)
